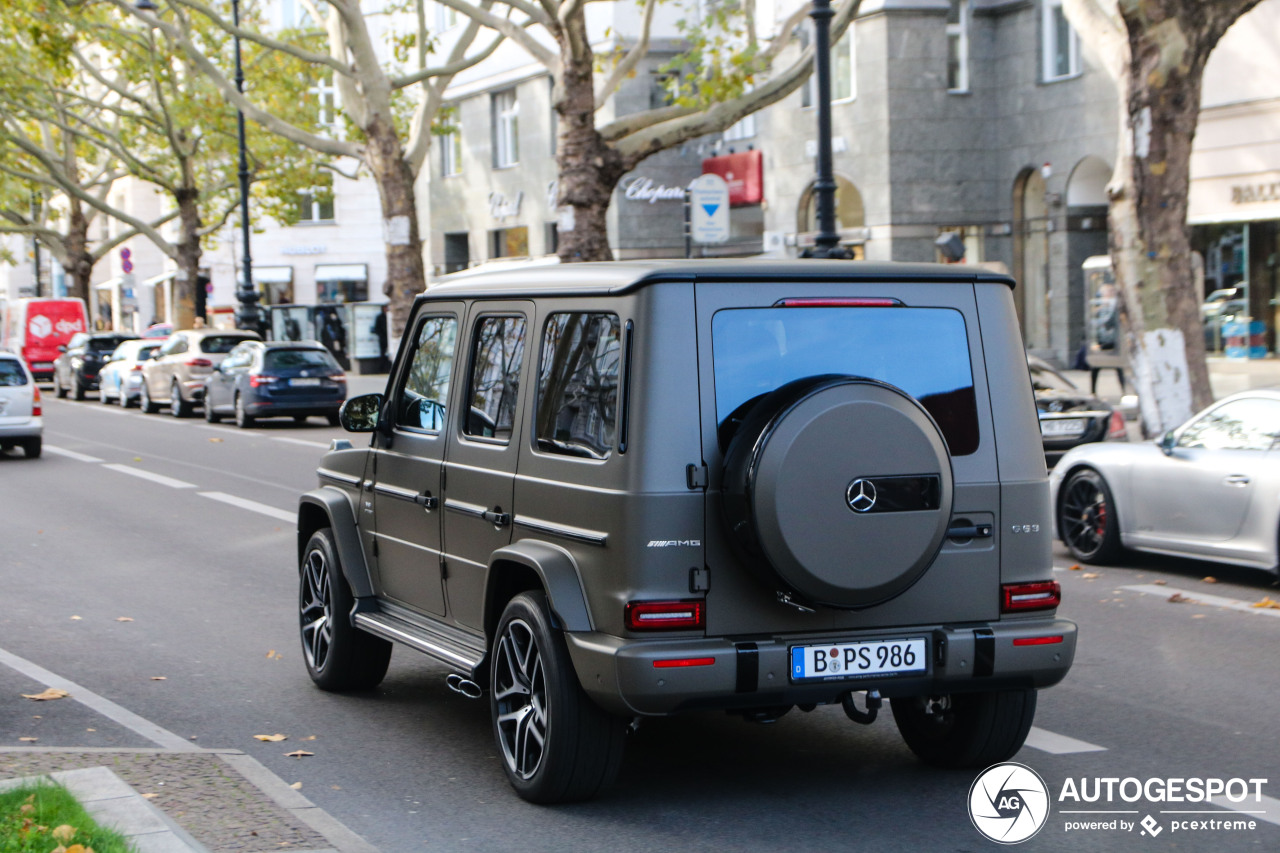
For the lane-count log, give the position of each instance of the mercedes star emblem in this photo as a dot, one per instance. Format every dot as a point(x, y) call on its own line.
point(861, 495)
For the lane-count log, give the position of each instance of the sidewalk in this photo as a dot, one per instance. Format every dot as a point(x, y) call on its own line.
point(1227, 376)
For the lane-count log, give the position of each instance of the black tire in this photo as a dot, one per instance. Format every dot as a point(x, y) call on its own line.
point(965, 730)
point(1087, 519)
point(32, 447)
point(144, 399)
point(178, 407)
point(334, 419)
point(58, 390)
point(77, 388)
point(534, 690)
point(102, 394)
point(299, 419)
point(123, 399)
point(339, 656)
point(244, 420)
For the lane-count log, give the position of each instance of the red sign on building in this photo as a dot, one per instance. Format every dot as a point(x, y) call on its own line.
point(743, 172)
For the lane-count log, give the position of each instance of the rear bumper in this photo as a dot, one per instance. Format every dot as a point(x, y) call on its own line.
point(620, 674)
point(32, 428)
point(283, 408)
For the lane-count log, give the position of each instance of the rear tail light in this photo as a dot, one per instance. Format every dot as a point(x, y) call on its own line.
point(1020, 597)
point(1116, 427)
point(665, 615)
point(681, 662)
point(257, 380)
point(137, 368)
point(199, 362)
point(825, 302)
point(36, 408)
point(1038, 641)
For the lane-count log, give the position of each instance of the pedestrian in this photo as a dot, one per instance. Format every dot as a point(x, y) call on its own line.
point(380, 332)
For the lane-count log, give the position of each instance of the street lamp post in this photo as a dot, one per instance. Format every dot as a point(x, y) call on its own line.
point(827, 242)
point(247, 313)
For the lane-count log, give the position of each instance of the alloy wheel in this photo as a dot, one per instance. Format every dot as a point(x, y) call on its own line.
point(316, 610)
point(521, 698)
point(1084, 516)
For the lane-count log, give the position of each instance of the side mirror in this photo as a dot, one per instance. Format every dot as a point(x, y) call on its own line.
point(360, 414)
point(1167, 442)
point(62, 347)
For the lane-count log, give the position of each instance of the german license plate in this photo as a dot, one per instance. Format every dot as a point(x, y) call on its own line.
point(858, 660)
point(42, 365)
point(1062, 426)
point(297, 382)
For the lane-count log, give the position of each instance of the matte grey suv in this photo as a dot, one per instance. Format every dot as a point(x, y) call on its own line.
point(599, 492)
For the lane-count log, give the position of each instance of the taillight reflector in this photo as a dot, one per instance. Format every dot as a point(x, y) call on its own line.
point(667, 664)
point(256, 379)
point(1116, 427)
point(1037, 641)
point(664, 615)
point(1042, 595)
point(199, 362)
point(36, 408)
point(828, 302)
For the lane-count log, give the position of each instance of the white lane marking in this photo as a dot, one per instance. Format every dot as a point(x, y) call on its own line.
point(155, 478)
point(1056, 744)
point(102, 705)
point(70, 454)
point(253, 506)
point(1202, 598)
point(304, 442)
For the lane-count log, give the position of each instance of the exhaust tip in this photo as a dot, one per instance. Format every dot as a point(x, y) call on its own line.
point(464, 686)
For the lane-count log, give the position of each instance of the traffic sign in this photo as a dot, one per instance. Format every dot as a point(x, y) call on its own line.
point(709, 213)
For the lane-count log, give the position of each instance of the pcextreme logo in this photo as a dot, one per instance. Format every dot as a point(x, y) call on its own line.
point(1009, 803)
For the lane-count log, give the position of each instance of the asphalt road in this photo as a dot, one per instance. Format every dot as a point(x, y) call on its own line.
point(152, 561)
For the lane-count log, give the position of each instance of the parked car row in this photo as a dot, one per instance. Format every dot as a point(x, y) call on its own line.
point(230, 373)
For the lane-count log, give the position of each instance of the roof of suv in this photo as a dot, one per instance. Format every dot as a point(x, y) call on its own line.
point(621, 276)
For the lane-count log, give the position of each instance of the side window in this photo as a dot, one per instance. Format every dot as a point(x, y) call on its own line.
point(422, 400)
point(77, 340)
point(497, 352)
point(1247, 424)
point(577, 410)
point(171, 346)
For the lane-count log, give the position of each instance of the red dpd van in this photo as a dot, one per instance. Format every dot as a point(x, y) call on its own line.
point(34, 329)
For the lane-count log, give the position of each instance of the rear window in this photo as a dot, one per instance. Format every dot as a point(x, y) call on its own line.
point(281, 359)
point(221, 344)
point(105, 345)
point(11, 373)
point(922, 351)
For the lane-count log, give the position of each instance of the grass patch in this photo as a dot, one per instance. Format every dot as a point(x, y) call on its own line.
point(45, 818)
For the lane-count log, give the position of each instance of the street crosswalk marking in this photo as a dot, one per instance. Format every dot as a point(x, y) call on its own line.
point(147, 475)
point(253, 506)
point(1203, 598)
point(1056, 744)
point(70, 454)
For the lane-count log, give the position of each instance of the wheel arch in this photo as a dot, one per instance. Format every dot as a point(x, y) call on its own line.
point(1062, 492)
point(331, 508)
point(531, 564)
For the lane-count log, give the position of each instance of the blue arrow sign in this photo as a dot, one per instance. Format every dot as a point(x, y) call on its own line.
point(711, 209)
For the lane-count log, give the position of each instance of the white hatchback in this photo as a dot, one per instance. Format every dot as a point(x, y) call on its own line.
point(21, 424)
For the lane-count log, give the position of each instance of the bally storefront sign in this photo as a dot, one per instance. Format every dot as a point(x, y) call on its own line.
point(743, 172)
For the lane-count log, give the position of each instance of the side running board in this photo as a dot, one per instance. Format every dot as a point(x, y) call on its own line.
point(458, 649)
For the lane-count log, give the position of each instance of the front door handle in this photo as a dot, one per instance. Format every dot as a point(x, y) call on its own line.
point(495, 516)
point(1237, 480)
point(426, 501)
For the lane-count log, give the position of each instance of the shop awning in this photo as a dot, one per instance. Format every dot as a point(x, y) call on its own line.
point(342, 272)
point(273, 275)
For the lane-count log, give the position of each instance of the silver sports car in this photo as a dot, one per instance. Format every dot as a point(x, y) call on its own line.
point(1209, 489)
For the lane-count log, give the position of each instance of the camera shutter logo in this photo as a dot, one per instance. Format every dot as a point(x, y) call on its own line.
point(1009, 803)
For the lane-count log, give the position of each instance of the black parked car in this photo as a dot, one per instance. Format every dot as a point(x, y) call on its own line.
point(75, 370)
point(269, 379)
point(1070, 415)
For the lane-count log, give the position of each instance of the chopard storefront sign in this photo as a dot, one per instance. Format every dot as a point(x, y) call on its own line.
point(647, 189)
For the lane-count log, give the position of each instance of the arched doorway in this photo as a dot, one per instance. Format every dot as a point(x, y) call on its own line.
point(1031, 257)
point(1086, 238)
point(850, 214)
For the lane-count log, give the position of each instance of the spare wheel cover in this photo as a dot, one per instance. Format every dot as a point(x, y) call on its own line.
point(850, 492)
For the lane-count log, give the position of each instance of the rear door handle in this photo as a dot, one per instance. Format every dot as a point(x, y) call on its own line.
point(502, 519)
point(1237, 480)
point(426, 501)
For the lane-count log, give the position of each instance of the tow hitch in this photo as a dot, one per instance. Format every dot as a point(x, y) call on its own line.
point(866, 717)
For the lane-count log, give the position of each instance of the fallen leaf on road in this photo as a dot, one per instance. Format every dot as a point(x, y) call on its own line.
point(1160, 583)
point(309, 737)
point(1179, 598)
point(1089, 575)
point(75, 618)
point(90, 730)
point(1074, 568)
point(276, 738)
point(1198, 616)
point(1267, 603)
point(1209, 579)
point(216, 440)
point(297, 786)
point(149, 796)
point(50, 693)
point(124, 618)
point(300, 753)
point(159, 678)
point(137, 459)
point(29, 739)
point(274, 654)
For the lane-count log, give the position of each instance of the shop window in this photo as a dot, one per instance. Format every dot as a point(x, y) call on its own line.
point(497, 354)
point(578, 385)
point(342, 291)
point(506, 129)
point(958, 46)
point(509, 242)
point(1059, 44)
